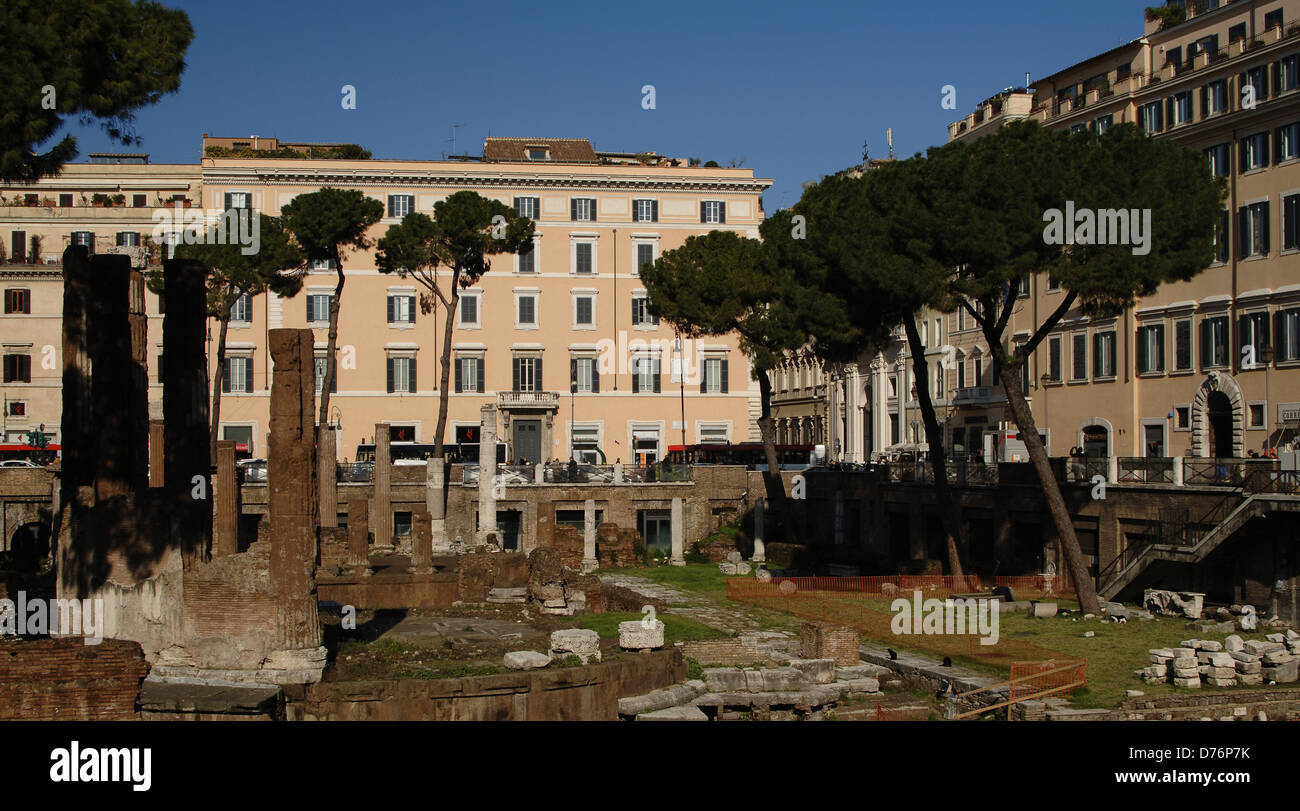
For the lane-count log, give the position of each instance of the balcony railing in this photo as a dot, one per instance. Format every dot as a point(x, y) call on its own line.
point(979, 395)
point(528, 399)
point(1149, 470)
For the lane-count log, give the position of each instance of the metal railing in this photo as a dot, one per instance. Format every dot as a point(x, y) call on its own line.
point(1145, 469)
point(654, 474)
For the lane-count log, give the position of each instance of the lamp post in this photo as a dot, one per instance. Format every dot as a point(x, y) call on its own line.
point(1047, 421)
point(1266, 355)
point(573, 398)
point(681, 377)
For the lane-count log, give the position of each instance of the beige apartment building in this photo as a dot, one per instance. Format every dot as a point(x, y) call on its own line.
point(558, 339)
point(1209, 367)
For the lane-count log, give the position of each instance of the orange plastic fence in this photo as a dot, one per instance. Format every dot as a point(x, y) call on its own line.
point(1057, 677)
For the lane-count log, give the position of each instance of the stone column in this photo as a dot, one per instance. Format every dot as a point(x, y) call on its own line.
point(225, 535)
point(539, 474)
point(1112, 469)
point(327, 472)
point(186, 449)
point(292, 483)
point(1178, 471)
point(155, 453)
point(115, 405)
point(435, 478)
point(760, 550)
point(383, 483)
point(679, 532)
point(589, 562)
point(421, 543)
point(618, 473)
point(487, 467)
point(358, 560)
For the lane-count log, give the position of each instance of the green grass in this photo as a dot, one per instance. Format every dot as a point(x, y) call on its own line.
point(676, 629)
point(698, 578)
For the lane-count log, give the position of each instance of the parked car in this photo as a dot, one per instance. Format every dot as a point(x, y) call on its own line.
point(17, 463)
point(254, 470)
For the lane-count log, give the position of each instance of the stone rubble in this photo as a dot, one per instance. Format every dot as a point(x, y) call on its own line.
point(1231, 663)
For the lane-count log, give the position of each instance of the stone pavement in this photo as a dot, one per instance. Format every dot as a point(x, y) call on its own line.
point(717, 613)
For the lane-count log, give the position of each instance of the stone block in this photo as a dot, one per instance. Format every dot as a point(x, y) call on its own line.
point(1191, 683)
point(686, 712)
point(1210, 645)
point(1287, 673)
point(1250, 679)
point(858, 686)
point(1218, 682)
point(1221, 659)
point(781, 679)
point(526, 660)
point(1233, 643)
point(581, 643)
point(1278, 638)
point(1043, 610)
point(1242, 656)
point(724, 679)
point(1259, 648)
point(816, 671)
point(1250, 668)
point(635, 635)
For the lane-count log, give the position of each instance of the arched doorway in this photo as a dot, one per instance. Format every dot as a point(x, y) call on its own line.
point(1096, 441)
point(1218, 417)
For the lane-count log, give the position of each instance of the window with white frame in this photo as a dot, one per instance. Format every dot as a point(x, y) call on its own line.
point(526, 207)
point(468, 310)
point(401, 308)
point(241, 312)
point(1214, 97)
point(645, 210)
point(584, 310)
point(1255, 415)
point(469, 373)
point(584, 258)
point(1214, 341)
point(238, 199)
point(1151, 117)
point(321, 368)
point(399, 205)
point(237, 375)
point(1253, 230)
point(713, 211)
point(583, 209)
point(1151, 349)
point(645, 374)
point(1103, 354)
point(718, 433)
point(1218, 156)
point(1079, 356)
point(1291, 222)
point(1254, 151)
point(584, 373)
point(1180, 107)
point(401, 374)
point(525, 310)
point(318, 307)
point(645, 255)
point(1287, 76)
point(1254, 334)
point(1183, 345)
point(527, 373)
point(526, 259)
point(641, 315)
point(1288, 335)
point(715, 374)
point(1288, 142)
point(586, 442)
point(1182, 417)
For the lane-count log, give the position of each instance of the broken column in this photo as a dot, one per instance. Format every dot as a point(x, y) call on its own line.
point(421, 542)
point(292, 483)
point(678, 533)
point(760, 551)
point(326, 466)
point(118, 403)
point(487, 468)
point(383, 480)
point(435, 475)
point(358, 559)
point(588, 536)
point(225, 535)
point(186, 448)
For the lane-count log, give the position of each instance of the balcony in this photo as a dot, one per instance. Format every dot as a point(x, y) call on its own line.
point(979, 396)
point(528, 399)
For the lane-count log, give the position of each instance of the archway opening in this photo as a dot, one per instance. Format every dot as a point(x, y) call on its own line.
point(1096, 440)
point(1218, 413)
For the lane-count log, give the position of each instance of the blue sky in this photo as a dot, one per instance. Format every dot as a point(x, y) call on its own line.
point(792, 88)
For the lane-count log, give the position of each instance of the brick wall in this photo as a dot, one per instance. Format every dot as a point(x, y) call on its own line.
point(723, 652)
point(824, 641)
point(68, 680)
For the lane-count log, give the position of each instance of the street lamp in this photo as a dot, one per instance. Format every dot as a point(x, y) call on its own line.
point(681, 377)
point(573, 398)
point(1047, 421)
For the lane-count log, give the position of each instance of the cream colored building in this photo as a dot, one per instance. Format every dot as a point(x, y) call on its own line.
point(570, 314)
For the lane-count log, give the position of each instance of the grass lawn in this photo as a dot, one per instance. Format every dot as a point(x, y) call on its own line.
point(703, 579)
point(676, 629)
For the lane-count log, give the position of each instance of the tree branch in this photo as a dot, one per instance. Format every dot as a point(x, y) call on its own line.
point(1048, 325)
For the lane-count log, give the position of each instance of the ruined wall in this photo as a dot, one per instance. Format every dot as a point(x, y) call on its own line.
point(68, 680)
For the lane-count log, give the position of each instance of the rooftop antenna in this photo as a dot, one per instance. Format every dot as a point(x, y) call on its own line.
point(889, 136)
point(866, 159)
point(1026, 80)
point(452, 139)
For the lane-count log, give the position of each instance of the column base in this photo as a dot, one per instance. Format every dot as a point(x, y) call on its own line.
point(677, 562)
point(589, 565)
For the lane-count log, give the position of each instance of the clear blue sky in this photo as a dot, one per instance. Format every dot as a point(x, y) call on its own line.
point(793, 88)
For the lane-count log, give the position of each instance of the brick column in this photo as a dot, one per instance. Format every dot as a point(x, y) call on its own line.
point(186, 449)
point(487, 468)
point(421, 542)
point(292, 484)
point(326, 467)
point(225, 535)
point(383, 481)
point(678, 534)
point(112, 367)
point(589, 536)
point(358, 560)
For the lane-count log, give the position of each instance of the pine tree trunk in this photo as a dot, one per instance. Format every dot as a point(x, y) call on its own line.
point(948, 517)
point(330, 347)
point(216, 386)
point(772, 478)
point(444, 395)
point(1084, 588)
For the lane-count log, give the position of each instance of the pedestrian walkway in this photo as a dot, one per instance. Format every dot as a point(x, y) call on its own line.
point(717, 613)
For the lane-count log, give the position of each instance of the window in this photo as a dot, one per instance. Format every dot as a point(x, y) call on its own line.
point(238, 199)
point(1214, 341)
point(1103, 354)
point(1052, 284)
point(645, 211)
point(1254, 151)
point(1255, 415)
point(65, 201)
point(1105, 122)
point(641, 314)
point(1054, 358)
point(714, 435)
point(1151, 117)
point(1180, 109)
point(320, 264)
point(401, 524)
point(528, 259)
point(1214, 98)
point(468, 311)
point(526, 310)
point(526, 207)
point(538, 153)
point(318, 307)
point(1285, 74)
point(86, 238)
point(18, 246)
point(1182, 418)
point(241, 312)
point(1151, 349)
point(1022, 286)
point(401, 308)
point(17, 408)
point(1256, 78)
point(584, 311)
point(713, 211)
point(1222, 239)
point(1183, 345)
point(645, 374)
point(321, 369)
point(401, 375)
point(1288, 335)
point(1174, 56)
point(582, 255)
point(469, 374)
point(645, 255)
point(961, 375)
point(1273, 19)
point(1207, 45)
point(978, 368)
point(584, 374)
point(715, 376)
point(128, 239)
point(237, 375)
point(583, 209)
point(1291, 222)
point(1252, 230)
point(399, 205)
point(1253, 333)
point(527, 373)
point(1079, 356)
point(18, 368)
point(1286, 143)
point(139, 201)
point(1236, 32)
point(1218, 156)
point(18, 301)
